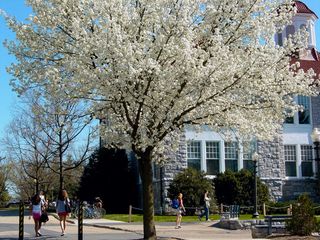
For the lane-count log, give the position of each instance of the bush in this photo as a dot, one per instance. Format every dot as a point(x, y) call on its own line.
point(237, 188)
point(192, 184)
point(303, 221)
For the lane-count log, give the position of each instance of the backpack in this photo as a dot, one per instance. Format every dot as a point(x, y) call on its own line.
point(202, 202)
point(175, 204)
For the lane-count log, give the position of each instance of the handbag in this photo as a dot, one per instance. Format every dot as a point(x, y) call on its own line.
point(68, 208)
point(44, 217)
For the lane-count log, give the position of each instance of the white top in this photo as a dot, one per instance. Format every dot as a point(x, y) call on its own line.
point(36, 208)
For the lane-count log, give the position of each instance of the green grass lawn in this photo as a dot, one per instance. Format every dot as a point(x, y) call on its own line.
point(138, 218)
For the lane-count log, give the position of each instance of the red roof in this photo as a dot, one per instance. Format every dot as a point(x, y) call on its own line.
point(307, 64)
point(314, 64)
point(302, 8)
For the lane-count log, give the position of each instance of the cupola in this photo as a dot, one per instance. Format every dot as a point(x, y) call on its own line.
point(304, 18)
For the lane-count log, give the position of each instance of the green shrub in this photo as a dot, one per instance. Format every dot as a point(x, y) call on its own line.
point(303, 221)
point(192, 184)
point(238, 188)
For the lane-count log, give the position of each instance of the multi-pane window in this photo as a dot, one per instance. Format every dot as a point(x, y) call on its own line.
point(290, 118)
point(194, 154)
point(290, 157)
point(212, 157)
point(231, 156)
point(306, 161)
point(304, 115)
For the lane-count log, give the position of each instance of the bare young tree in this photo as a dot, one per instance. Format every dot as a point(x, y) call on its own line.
point(64, 123)
point(27, 147)
point(45, 138)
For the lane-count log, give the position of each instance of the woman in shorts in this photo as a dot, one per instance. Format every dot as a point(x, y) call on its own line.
point(61, 208)
point(180, 210)
point(35, 211)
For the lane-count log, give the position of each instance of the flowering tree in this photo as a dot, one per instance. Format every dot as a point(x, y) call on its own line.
point(151, 67)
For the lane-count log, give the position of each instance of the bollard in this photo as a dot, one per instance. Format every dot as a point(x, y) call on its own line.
point(21, 218)
point(130, 213)
point(221, 208)
point(80, 221)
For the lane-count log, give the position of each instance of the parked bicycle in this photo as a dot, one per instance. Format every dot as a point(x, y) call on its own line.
point(89, 211)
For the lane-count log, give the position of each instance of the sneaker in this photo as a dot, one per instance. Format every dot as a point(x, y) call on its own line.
point(39, 234)
point(179, 226)
point(176, 227)
point(208, 220)
point(62, 234)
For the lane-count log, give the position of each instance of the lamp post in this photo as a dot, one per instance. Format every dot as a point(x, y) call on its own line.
point(315, 136)
point(255, 158)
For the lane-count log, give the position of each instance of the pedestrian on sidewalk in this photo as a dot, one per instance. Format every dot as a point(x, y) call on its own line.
point(44, 216)
point(179, 210)
point(205, 200)
point(36, 211)
point(98, 202)
point(63, 209)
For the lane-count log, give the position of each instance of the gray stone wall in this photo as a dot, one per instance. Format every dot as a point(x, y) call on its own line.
point(271, 170)
point(271, 165)
point(275, 188)
point(293, 188)
point(177, 162)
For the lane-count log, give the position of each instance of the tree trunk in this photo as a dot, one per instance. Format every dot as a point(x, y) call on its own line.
point(60, 167)
point(145, 168)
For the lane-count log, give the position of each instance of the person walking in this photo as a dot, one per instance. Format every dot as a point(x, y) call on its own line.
point(206, 206)
point(44, 206)
point(180, 210)
point(36, 211)
point(98, 202)
point(62, 208)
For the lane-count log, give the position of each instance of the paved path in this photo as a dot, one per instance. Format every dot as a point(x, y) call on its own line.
point(189, 231)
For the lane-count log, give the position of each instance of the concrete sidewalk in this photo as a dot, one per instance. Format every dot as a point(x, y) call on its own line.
point(189, 231)
point(165, 230)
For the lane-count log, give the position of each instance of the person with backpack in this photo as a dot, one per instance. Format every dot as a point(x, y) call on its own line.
point(205, 202)
point(63, 209)
point(180, 209)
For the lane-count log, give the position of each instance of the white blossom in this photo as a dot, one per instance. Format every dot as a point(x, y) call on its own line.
point(150, 68)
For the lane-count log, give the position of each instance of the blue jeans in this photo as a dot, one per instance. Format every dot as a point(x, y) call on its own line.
point(205, 213)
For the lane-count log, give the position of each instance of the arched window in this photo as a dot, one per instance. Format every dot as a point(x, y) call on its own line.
point(289, 30)
point(303, 26)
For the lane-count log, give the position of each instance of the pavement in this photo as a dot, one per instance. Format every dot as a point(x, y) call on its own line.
point(200, 230)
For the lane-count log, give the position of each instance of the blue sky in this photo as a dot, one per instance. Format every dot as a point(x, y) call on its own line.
point(17, 8)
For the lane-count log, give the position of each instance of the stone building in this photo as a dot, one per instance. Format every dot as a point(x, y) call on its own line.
point(286, 164)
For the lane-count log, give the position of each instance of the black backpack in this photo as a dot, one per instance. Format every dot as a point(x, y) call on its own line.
point(202, 202)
